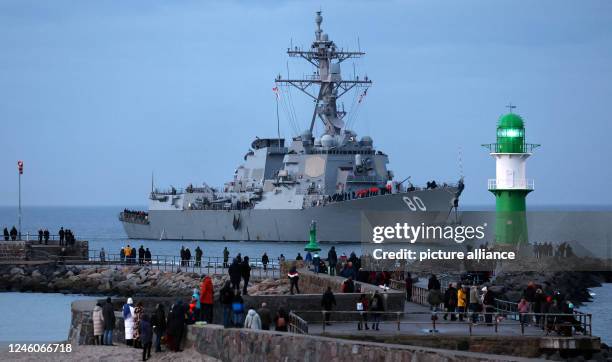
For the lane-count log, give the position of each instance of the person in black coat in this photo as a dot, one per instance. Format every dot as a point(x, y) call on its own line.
point(433, 283)
point(46, 235)
point(175, 326)
point(146, 337)
point(61, 234)
point(450, 302)
point(187, 257)
point(183, 256)
point(147, 256)
point(226, 297)
point(108, 312)
point(332, 258)
point(328, 302)
point(265, 260)
point(245, 272)
point(141, 255)
point(6, 234)
point(40, 236)
point(234, 274)
point(158, 323)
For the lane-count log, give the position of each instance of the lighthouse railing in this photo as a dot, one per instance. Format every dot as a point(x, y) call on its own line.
point(510, 184)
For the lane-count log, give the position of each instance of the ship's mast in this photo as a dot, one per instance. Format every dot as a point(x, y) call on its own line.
point(326, 57)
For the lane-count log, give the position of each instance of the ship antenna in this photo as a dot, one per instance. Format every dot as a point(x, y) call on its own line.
point(152, 181)
point(277, 118)
point(460, 162)
point(510, 107)
point(326, 60)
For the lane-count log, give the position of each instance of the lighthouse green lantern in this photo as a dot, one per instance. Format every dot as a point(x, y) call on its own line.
point(510, 185)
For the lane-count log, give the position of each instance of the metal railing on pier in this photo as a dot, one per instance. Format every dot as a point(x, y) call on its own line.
point(504, 309)
point(206, 265)
point(561, 323)
point(297, 324)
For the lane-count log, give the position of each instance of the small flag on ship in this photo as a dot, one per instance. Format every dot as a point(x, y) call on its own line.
point(362, 96)
point(20, 167)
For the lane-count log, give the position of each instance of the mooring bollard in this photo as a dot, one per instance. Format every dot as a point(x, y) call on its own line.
point(324, 321)
point(496, 321)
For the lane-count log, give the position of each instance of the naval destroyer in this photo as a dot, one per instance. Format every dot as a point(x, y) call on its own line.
point(279, 189)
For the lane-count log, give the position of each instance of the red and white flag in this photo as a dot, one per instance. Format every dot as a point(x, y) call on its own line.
point(276, 91)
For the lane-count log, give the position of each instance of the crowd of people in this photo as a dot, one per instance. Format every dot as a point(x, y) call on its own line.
point(543, 250)
point(540, 306)
point(135, 216)
point(145, 330)
point(462, 301)
point(129, 255)
point(12, 235)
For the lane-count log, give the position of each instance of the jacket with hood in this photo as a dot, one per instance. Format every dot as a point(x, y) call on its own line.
point(206, 291)
point(252, 320)
point(128, 318)
point(98, 321)
point(196, 297)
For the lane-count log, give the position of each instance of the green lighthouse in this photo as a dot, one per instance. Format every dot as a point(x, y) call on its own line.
point(510, 185)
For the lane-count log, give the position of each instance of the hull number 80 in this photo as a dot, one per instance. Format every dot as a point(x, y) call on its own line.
point(414, 203)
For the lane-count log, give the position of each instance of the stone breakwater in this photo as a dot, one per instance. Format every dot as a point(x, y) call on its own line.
point(574, 285)
point(119, 281)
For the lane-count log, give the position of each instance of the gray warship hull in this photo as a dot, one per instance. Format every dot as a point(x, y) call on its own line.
point(336, 222)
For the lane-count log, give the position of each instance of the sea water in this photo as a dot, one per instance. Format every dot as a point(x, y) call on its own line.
point(102, 228)
point(35, 317)
point(601, 309)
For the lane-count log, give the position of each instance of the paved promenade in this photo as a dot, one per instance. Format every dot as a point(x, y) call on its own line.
point(420, 323)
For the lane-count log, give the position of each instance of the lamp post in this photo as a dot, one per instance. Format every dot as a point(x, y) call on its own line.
point(20, 168)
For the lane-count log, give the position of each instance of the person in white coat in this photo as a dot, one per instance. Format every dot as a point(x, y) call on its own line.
point(98, 324)
point(128, 321)
point(252, 320)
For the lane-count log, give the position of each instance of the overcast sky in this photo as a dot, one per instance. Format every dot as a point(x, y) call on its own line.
point(94, 96)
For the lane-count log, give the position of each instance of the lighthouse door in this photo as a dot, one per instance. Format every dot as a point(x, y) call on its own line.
point(510, 178)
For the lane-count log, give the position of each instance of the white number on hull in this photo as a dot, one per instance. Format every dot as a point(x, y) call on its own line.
point(414, 203)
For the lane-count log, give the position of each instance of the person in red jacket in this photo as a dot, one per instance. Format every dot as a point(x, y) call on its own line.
point(206, 298)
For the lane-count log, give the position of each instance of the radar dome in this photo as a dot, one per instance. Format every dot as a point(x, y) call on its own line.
point(367, 141)
point(317, 142)
point(327, 140)
point(306, 135)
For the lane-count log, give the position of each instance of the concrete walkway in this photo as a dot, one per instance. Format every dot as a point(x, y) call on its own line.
point(421, 324)
point(118, 353)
